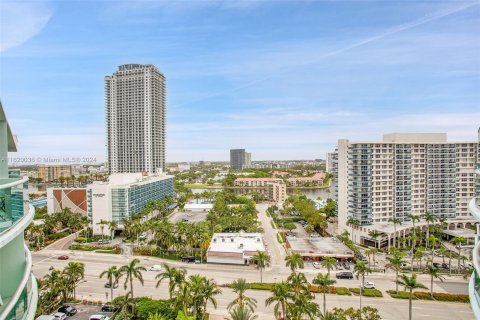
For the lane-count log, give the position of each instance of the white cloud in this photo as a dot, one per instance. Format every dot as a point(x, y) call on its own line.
point(20, 21)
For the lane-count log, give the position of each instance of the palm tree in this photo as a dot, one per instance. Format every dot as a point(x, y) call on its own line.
point(395, 262)
point(329, 263)
point(281, 296)
point(324, 281)
point(113, 225)
point(303, 306)
point(395, 221)
point(175, 278)
point(429, 218)
point(261, 258)
point(410, 283)
point(298, 283)
point(102, 223)
point(458, 241)
point(131, 271)
point(240, 286)
point(434, 273)
point(112, 275)
point(360, 270)
point(352, 222)
point(374, 234)
point(202, 290)
point(127, 306)
point(294, 261)
point(433, 241)
point(240, 313)
point(74, 271)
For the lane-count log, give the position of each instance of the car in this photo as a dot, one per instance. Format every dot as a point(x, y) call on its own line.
point(64, 257)
point(316, 264)
point(188, 259)
point(437, 265)
point(45, 317)
point(445, 266)
point(68, 310)
point(107, 285)
point(344, 275)
point(155, 267)
point(197, 261)
point(404, 265)
point(369, 285)
point(109, 308)
point(98, 317)
point(59, 316)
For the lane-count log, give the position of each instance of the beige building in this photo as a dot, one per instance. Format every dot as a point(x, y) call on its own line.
point(315, 180)
point(51, 173)
point(273, 188)
point(404, 174)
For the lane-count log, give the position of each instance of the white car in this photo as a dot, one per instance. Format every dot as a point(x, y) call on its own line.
point(59, 316)
point(155, 267)
point(99, 317)
point(369, 285)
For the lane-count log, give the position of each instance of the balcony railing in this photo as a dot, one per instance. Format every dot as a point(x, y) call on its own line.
point(23, 303)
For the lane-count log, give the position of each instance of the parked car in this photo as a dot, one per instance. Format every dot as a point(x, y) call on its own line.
point(98, 317)
point(404, 265)
point(346, 265)
point(109, 308)
point(445, 266)
point(45, 317)
point(316, 265)
point(59, 316)
point(437, 265)
point(344, 275)
point(107, 285)
point(369, 285)
point(188, 259)
point(155, 267)
point(68, 310)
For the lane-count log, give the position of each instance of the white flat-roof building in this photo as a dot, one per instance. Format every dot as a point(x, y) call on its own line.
point(234, 248)
point(406, 173)
point(124, 195)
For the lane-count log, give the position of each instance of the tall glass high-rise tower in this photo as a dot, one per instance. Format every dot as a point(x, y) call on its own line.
point(135, 119)
point(18, 288)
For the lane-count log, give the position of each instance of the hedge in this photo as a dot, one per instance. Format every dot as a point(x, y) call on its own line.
point(342, 291)
point(367, 292)
point(318, 289)
point(400, 294)
point(273, 224)
point(279, 238)
point(114, 251)
point(440, 296)
point(58, 235)
point(86, 247)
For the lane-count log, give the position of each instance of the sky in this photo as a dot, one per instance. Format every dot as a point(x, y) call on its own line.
point(282, 79)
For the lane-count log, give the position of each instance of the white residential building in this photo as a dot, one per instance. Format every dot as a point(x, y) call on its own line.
point(124, 195)
point(135, 119)
point(404, 174)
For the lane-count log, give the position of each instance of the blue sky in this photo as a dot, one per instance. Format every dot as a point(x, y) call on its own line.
point(283, 79)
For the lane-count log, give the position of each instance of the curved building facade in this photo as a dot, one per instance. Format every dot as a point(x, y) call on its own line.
point(18, 288)
point(474, 206)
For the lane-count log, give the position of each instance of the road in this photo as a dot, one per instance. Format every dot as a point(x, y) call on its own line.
point(93, 287)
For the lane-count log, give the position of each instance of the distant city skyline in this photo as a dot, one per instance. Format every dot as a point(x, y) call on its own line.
point(283, 79)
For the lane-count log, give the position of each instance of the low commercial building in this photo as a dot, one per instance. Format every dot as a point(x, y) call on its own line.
point(234, 248)
point(316, 248)
point(73, 198)
point(254, 182)
point(51, 173)
point(123, 195)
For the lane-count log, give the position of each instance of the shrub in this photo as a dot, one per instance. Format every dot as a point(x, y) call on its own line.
point(81, 240)
point(400, 294)
point(57, 235)
point(342, 291)
point(367, 292)
point(318, 289)
point(147, 306)
point(440, 296)
point(261, 286)
point(273, 224)
point(279, 238)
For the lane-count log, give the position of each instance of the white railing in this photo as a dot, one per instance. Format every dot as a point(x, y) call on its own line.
point(21, 286)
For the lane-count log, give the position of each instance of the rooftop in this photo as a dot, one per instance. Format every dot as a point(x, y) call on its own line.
point(236, 242)
point(318, 246)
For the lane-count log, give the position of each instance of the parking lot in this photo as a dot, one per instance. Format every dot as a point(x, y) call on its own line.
point(85, 311)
